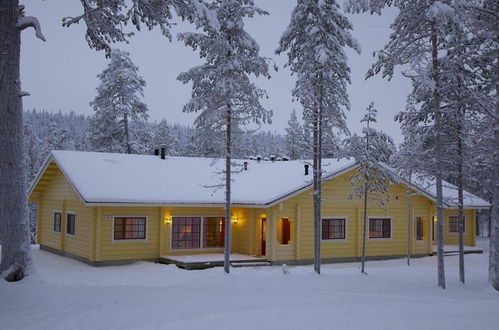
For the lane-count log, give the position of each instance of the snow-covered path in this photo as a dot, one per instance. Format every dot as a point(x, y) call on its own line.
point(67, 294)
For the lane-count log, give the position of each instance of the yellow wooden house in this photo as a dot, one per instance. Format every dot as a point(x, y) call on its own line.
point(104, 208)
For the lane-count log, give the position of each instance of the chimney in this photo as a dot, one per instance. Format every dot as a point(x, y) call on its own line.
point(272, 158)
point(306, 169)
point(245, 166)
point(163, 153)
point(156, 152)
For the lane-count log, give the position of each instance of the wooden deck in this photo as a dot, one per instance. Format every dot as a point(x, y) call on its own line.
point(203, 261)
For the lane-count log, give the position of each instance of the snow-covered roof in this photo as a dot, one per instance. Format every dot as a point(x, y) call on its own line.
point(111, 178)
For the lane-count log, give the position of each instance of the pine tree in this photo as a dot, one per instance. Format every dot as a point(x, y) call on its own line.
point(223, 94)
point(164, 138)
point(371, 182)
point(105, 19)
point(417, 22)
point(295, 140)
point(118, 102)
point(483, 17)
point(314, 42)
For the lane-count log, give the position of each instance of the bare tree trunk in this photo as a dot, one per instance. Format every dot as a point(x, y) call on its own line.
point(494, 230)
point(460, 183)
point(317, 183)
point(438, 156)
point(127, 134)
point(228, 160)
point(409, 222)
point(364, 228)
point(14, 224)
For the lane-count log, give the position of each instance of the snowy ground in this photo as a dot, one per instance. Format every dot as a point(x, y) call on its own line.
point(66, 294)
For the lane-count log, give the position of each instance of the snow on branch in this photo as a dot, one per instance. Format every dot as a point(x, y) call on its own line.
point(31, 21)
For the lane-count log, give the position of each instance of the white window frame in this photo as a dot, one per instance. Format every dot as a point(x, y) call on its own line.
point(381, 238)
point(53, 214)
point(141, 240)
point(448, 225)
point(201, 233)
point(66, 219)
point(332, 240)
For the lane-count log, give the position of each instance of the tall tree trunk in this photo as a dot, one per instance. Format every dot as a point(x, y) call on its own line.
point(438, 157)
point(228, 160)
point(127, 135)
point(366, 185)
point(409, 222)
point(14, 224)
point(317, 182)
point(460, 184)
point(494, 230)
point(364, 227)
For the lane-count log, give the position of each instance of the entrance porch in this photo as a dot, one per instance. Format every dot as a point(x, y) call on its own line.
point(203, 261)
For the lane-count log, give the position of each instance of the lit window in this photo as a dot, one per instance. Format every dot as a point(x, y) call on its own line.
point(333, 229)
point(284, 231)
point(213, 232)
point(419, 229)
point(380, 228)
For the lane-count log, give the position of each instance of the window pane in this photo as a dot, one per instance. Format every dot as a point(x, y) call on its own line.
point(213, 232)
point(129, 228)
point(186, 232)
point(70, 224)
point(454, 224)
point(284, 231)
point(333, 229)
point(380, 228)
point(57, 222)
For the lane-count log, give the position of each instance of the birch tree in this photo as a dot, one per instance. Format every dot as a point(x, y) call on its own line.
point(315, 43)
point(222, 93)
point(371, 182)
point(14, 223)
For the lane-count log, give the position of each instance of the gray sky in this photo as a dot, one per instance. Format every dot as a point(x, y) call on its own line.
point(61, 73)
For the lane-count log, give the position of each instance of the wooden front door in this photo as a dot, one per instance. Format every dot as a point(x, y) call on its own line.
point(263, 236)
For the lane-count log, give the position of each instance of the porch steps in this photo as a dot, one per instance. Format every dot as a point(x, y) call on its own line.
point(209, 261)
point(456, 252)
point(250, 263)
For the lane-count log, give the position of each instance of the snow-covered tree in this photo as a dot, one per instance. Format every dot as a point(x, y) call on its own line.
point(14, 226)
point(163, 138)
point(370, 182)
point(222, 93)
point(482, 17)
point(105, 20)
point(295, 139)
point(419, 31)
point(315, 43)
point(117, 104)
